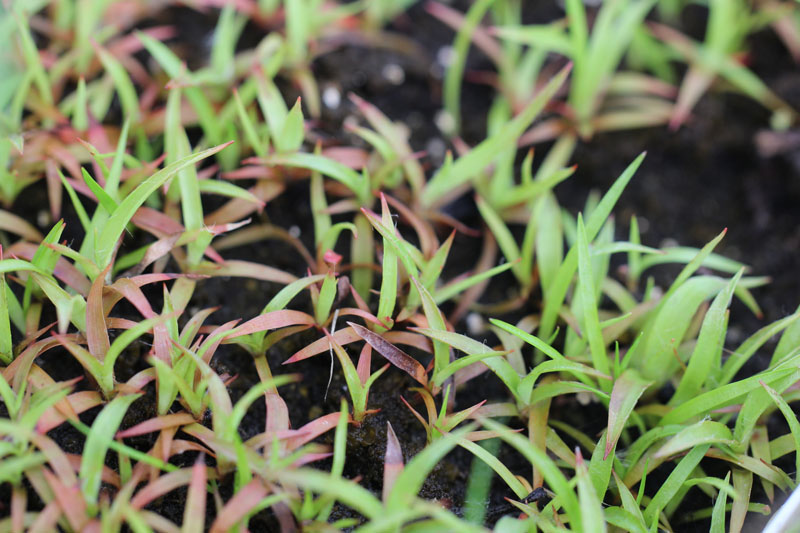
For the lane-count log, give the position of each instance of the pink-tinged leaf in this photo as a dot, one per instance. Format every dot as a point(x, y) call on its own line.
point(312, 430)
point(106, 474)
point(161, 486)
point(180, 446)
point(61, 465)
point(63, 271)
point(68, 159)
point(251, 172)
point(381, 123)
point(366, 315)
point(19, 503)
point(19, 226)
point(364, 363)
point(157, 424)
point(155, 251)
point(137, 382)
point(695, 83)
point(309, 458)
point(96, 330)
point(469, 373)
point(55, 191)
point(194, 515)
point(355, 158)
point(392, 463)
point(70, 500)
point(627, 390)
point(277, 413)
point(78, 402)
point(47, 519)
point(480, 35)
point(82, 355)
point(272, 320)
point(238, 507)
point(130, 43)
point(407, 338)
point(209, 347)
point(341, 336)
point(156, 223)
point(17, 372)
point(238, 208)
point(247, 269)
point(146, 279)
point(393, 354)
point(129, 289)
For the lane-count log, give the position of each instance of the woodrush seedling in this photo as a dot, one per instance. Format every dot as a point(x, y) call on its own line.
point(618, 344)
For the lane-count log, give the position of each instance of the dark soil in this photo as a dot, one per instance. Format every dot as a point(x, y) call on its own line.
point(693, 183)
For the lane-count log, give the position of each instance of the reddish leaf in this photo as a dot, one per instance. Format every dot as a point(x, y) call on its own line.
point(238, 507)
point(47, 520)
point(96, 330)
point(238, 208)
point(161, 486)
point(366, 315)
point(342, 336)
point(70, 500)
point(106, 474)
point(364, 364)
point(63, 271)
point(78, 403)
point(312, 430)
point(393, 354)
point(194, 514)
point(355, 158)
point(157, 424)
point(209, 347)
point(392, 463)
point(272, 320)
point(415, 340)
point(247, 269)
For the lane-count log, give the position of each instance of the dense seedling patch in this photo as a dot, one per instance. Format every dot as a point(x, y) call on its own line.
point(415, 341)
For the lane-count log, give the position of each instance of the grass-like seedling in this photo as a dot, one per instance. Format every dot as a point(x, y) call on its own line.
point(125, 408)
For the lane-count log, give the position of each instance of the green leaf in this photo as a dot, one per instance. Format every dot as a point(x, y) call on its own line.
point(324, 165)
point(591, 320)
point(477, 350)
point(591, 509)
point(718, 514)
point(502, 470)
point(103, 198)
point(543, 463)
point(670, 487)
point(291, 137)
point(472, 164)
point(669, 323)
point(628, 388)
point(112, 231)
point(97, 443)
point(563, 277)
point(707, 353)
point(791, 419)
point(123, 84)
point(703, 432)
point(411, 479)
point(441, 353)
point(722, 396)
